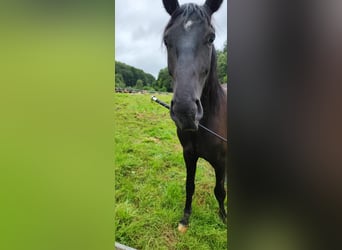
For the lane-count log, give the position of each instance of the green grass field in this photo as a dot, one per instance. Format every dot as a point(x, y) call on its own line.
point(150, 182)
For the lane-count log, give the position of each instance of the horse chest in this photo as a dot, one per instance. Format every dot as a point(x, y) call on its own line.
point(212, 152)
point(203, 145)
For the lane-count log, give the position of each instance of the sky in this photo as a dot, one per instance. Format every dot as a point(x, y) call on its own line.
point(139, 26)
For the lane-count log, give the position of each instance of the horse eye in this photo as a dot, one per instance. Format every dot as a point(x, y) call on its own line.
point(211, 38)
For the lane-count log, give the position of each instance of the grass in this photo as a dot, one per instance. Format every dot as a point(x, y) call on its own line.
point(150, 182)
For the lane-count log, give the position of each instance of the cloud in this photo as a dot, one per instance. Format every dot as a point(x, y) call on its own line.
point(139, 27)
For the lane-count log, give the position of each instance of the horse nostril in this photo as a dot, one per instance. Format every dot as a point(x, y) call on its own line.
point(171, 108)
point(199, 112)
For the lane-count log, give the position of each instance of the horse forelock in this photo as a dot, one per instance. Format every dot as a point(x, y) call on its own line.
point(186, 11)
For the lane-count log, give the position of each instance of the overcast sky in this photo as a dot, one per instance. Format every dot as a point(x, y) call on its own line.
point(139, 26)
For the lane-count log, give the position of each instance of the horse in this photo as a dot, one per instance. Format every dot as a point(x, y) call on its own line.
point(198, 97)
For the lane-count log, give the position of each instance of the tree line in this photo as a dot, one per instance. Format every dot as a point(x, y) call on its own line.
point(127, 76)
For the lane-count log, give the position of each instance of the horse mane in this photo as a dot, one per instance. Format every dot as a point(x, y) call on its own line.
point(212, 90)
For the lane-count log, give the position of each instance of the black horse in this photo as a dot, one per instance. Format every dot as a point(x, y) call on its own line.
point(198, 97)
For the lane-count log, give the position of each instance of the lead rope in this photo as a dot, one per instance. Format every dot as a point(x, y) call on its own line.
point(153, 98)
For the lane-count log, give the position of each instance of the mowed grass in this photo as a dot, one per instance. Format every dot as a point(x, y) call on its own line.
point(150, 182)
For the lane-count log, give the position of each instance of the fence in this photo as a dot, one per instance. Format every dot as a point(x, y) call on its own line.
point(141, 91)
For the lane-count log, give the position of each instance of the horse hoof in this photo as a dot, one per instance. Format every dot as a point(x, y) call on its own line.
point(182, 228)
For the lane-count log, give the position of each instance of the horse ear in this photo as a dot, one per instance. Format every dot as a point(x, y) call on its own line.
point(213, 5)
point(170, 5)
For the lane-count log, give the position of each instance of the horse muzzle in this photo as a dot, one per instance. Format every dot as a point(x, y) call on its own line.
point(186, 115)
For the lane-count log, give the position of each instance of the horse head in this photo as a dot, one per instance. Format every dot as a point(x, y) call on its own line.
point(189, 38)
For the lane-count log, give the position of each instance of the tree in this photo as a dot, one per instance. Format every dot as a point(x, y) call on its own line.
point(149, 80)
point(222, 66)
point(130, 76)
point(164, 80)
point(139, 84)
point(119, 81)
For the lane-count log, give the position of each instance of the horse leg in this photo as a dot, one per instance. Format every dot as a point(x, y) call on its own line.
point(190, 162)
point(220, 192)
